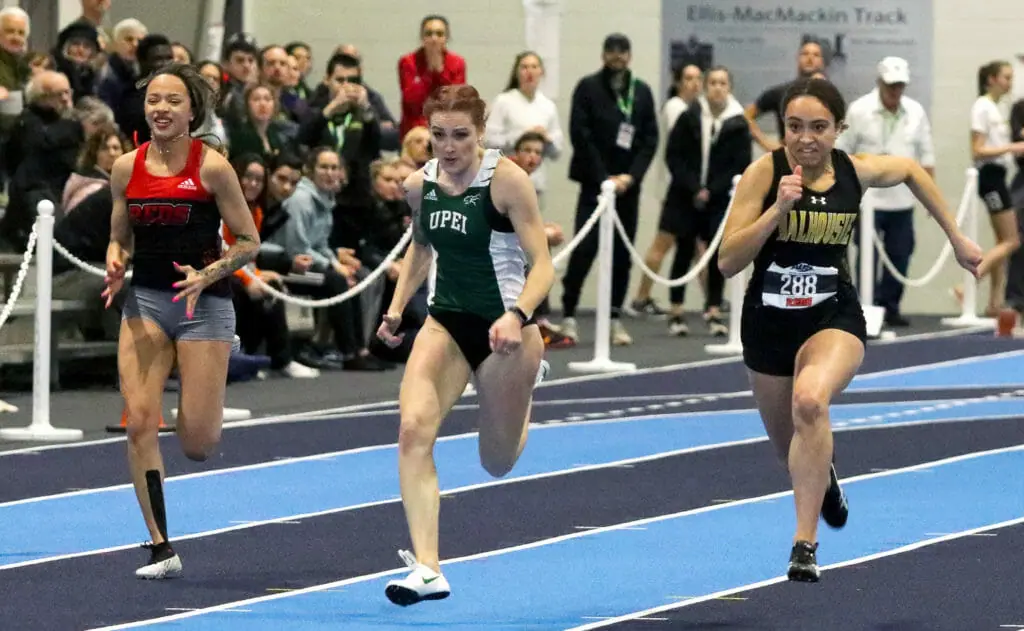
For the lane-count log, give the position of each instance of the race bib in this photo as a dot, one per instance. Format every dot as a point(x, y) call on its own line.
point(800, 286)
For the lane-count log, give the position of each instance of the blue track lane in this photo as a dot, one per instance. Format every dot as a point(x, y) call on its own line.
point(1004, 370)
point(73, 524)
point(573, 581)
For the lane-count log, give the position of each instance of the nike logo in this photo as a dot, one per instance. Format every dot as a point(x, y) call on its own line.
point(428, 581)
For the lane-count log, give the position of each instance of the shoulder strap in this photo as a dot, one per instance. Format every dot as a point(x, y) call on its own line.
point(195, 157)
point(139, 166)
point(845, 170)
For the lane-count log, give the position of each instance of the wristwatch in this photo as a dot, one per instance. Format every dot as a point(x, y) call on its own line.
point(523, 318)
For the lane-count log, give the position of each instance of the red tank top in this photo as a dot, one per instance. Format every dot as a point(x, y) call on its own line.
point(174, 220)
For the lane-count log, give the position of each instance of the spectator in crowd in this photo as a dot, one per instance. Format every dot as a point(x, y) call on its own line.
point(14, 74)
point(260, 317)
point(14, 30)
point(614, 130)
point(42, 150)
point(522, 108)
point(993, 154)
point(687, 82)
point(84, 230)
point(389, 140)
point(887, 122)
point(274, 72)
point(92, 113)
point(77, 47)
point(1015, 270)
point(257, 132)
point(181, 53)
point(310, 220)
point(239, 60)
point(348, 124)
point(810, 60)
point(426, 69)
point(103, 145)
point(303, 54)
point(285, 173)
point(528, 153)
point(416, 148)
point(93, 13)
point(214, 125)
point(121, 71)
point(153, 53)
point(709, 145)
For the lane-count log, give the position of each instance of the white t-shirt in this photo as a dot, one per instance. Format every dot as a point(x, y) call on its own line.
point(512, 114)
point(987, 119)
point(671, 110)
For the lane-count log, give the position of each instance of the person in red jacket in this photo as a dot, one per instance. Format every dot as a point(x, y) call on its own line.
point(429, 67)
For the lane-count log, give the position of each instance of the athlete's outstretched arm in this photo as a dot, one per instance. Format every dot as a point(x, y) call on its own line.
point(515, 195)
point(418, 256)
point(747, 228)
point(220, 180)
point(885, 171)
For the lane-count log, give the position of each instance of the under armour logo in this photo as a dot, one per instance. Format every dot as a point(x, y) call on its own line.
point(817, 200)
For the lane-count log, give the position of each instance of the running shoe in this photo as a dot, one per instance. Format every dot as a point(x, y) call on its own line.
point(421, 584)
point(163, 562)
point(803, 563)
point(834, 509)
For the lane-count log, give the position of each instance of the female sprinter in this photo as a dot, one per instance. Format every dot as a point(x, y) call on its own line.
point(169, 197)
point(477, 211)
point(803, 330)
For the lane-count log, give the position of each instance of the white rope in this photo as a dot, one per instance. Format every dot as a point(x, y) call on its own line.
point(947, 247)
point(80, 264)
point(693, 272)
point(338, 299)
point(563, 254)
point(20, 280)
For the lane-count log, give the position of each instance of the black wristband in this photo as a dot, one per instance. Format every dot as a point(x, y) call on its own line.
point(523, 318)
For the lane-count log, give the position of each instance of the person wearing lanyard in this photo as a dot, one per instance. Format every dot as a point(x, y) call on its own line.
point(886, 122)
point(347, 124)
point(614, 131)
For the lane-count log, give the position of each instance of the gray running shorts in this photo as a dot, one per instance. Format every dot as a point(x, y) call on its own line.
point(213, 319)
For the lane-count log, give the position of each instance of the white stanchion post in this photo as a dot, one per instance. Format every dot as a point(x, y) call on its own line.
point(602, 363)
point(968, 315)
point(737, 290)
point(40, 429)
point(873, 315)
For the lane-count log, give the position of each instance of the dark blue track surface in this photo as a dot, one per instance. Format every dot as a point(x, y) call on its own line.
point(929, 588)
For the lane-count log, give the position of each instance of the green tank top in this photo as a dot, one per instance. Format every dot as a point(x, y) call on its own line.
point(479, 264)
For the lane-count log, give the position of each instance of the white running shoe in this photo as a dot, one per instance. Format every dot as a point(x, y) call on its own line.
point(422, 583)
point(542, 372)
point(163, 563)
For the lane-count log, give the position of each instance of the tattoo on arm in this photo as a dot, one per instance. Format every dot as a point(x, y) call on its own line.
point(238, 256)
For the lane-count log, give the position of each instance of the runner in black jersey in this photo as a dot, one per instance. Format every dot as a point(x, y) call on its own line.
point(803, 330)
point(169, 198)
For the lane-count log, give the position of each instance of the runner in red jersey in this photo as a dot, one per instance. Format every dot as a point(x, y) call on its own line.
point(170, 196)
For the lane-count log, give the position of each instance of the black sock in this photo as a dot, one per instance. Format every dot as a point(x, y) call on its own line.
point(156, 501)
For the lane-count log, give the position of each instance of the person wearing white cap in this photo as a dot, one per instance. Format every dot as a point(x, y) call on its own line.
point(886, 122)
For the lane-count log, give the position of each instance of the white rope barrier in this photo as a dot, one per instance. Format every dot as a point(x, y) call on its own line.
point(697, 268)
point(40, 429)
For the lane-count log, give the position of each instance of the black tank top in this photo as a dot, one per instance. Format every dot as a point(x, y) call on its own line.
point(174, 220)
point(804, 262)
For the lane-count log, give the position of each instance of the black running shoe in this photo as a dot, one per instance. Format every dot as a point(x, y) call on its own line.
point(834, 509)
point(803, 563)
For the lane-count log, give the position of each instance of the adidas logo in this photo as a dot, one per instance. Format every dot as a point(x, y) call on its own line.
point(431, 195)
point(187, 185)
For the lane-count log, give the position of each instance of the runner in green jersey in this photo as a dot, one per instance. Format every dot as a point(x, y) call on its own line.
point(475, 225)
